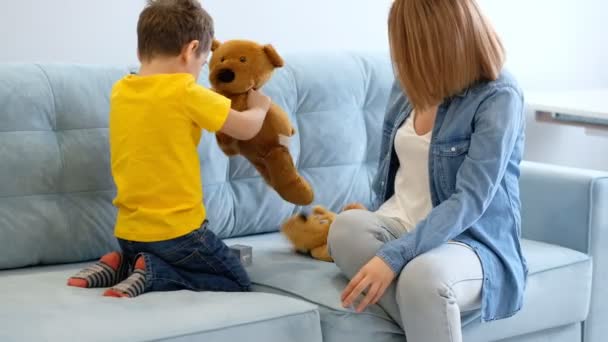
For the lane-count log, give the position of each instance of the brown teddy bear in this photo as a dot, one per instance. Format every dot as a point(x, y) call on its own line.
point(236, 67)
point(308, 233)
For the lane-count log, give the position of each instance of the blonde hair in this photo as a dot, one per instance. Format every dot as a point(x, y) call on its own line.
point(441, 47)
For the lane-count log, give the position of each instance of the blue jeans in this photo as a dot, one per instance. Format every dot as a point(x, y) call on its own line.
point(198, 261)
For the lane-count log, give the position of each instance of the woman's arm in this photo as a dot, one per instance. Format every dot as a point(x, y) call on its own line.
point(498, 123)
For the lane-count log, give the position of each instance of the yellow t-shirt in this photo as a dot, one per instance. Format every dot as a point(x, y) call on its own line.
point(155, 128)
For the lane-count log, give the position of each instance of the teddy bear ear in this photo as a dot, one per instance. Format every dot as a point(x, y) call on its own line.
point(273, 56)
point(215, 44)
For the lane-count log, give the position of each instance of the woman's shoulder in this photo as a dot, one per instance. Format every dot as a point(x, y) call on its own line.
point(505, 83)
point(489, 100)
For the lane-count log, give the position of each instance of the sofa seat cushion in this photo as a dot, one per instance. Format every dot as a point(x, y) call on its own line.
point(557, 292)
point(38, 306)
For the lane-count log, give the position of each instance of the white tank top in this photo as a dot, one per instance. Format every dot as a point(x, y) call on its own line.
point(412, 199)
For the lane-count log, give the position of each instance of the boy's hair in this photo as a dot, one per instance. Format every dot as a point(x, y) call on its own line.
point(441, 47)
point(166, 26)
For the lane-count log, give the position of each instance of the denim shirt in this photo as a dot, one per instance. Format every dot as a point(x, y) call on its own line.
point(474, 156)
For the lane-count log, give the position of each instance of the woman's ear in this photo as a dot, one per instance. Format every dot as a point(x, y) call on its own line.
point(273, 56)
point(215, 44)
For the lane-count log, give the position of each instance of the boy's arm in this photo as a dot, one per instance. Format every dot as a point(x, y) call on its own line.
point(212, 112)
point(209, 110)
point(246, 125)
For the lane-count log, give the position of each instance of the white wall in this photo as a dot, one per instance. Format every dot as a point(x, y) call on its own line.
point(551, 43)
point(305, 25)
point(557, 44)
point(71, 31)
point(554, 44)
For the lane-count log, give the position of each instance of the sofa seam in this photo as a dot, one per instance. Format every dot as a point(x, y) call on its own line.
point(363, 162)
point(60, 193)
point(589, 216)
point(295, 87)
point(361, 108)
point(591, 212)
point(590, 249)
point(55, 130)
point(366, 76)
point(296, 116)
point(299, 169)
point(48, 82)
point(61, 176)
point(576, 263)
point(295, 295)
point(303, 313)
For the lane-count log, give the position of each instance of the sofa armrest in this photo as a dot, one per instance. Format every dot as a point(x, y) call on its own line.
point(569, 207)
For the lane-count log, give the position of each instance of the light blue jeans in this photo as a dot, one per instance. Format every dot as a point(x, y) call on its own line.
point(433, 290)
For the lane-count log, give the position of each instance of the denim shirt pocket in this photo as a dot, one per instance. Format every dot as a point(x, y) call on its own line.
point(448, 157)
point(453, 148)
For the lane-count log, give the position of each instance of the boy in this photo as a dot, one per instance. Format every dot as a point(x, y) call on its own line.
point(156, 118)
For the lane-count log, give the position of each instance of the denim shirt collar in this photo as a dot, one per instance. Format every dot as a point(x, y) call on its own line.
point(464, 92)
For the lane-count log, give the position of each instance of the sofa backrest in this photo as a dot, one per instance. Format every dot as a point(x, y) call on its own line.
point(56, 188)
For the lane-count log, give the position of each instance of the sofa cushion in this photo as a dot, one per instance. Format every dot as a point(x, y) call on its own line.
point(557, 292)
point(38, 306)
point(55, 180)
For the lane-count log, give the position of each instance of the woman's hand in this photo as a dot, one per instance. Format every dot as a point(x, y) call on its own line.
point(373, 278)
point(352, 206)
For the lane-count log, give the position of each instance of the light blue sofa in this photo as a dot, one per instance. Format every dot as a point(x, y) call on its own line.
point(56, 213)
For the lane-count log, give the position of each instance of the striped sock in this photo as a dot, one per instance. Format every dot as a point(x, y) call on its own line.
point(134, 285)
point(108, 271)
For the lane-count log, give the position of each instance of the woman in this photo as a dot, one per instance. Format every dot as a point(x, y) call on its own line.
point(446, 240)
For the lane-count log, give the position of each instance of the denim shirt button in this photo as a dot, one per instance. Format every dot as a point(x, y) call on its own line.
point(453, 149)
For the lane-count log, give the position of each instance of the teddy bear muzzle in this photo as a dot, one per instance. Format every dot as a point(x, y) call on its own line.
point(226, 76)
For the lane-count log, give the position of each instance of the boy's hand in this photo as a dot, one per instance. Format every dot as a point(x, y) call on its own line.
point(257, 100)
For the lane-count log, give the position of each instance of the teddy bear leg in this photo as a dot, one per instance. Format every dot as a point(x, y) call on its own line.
point(285, 179)
point(228, 145)
point(261, 167)
point(321, 253)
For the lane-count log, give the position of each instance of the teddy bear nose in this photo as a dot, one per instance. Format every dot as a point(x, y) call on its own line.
point(226, 76)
